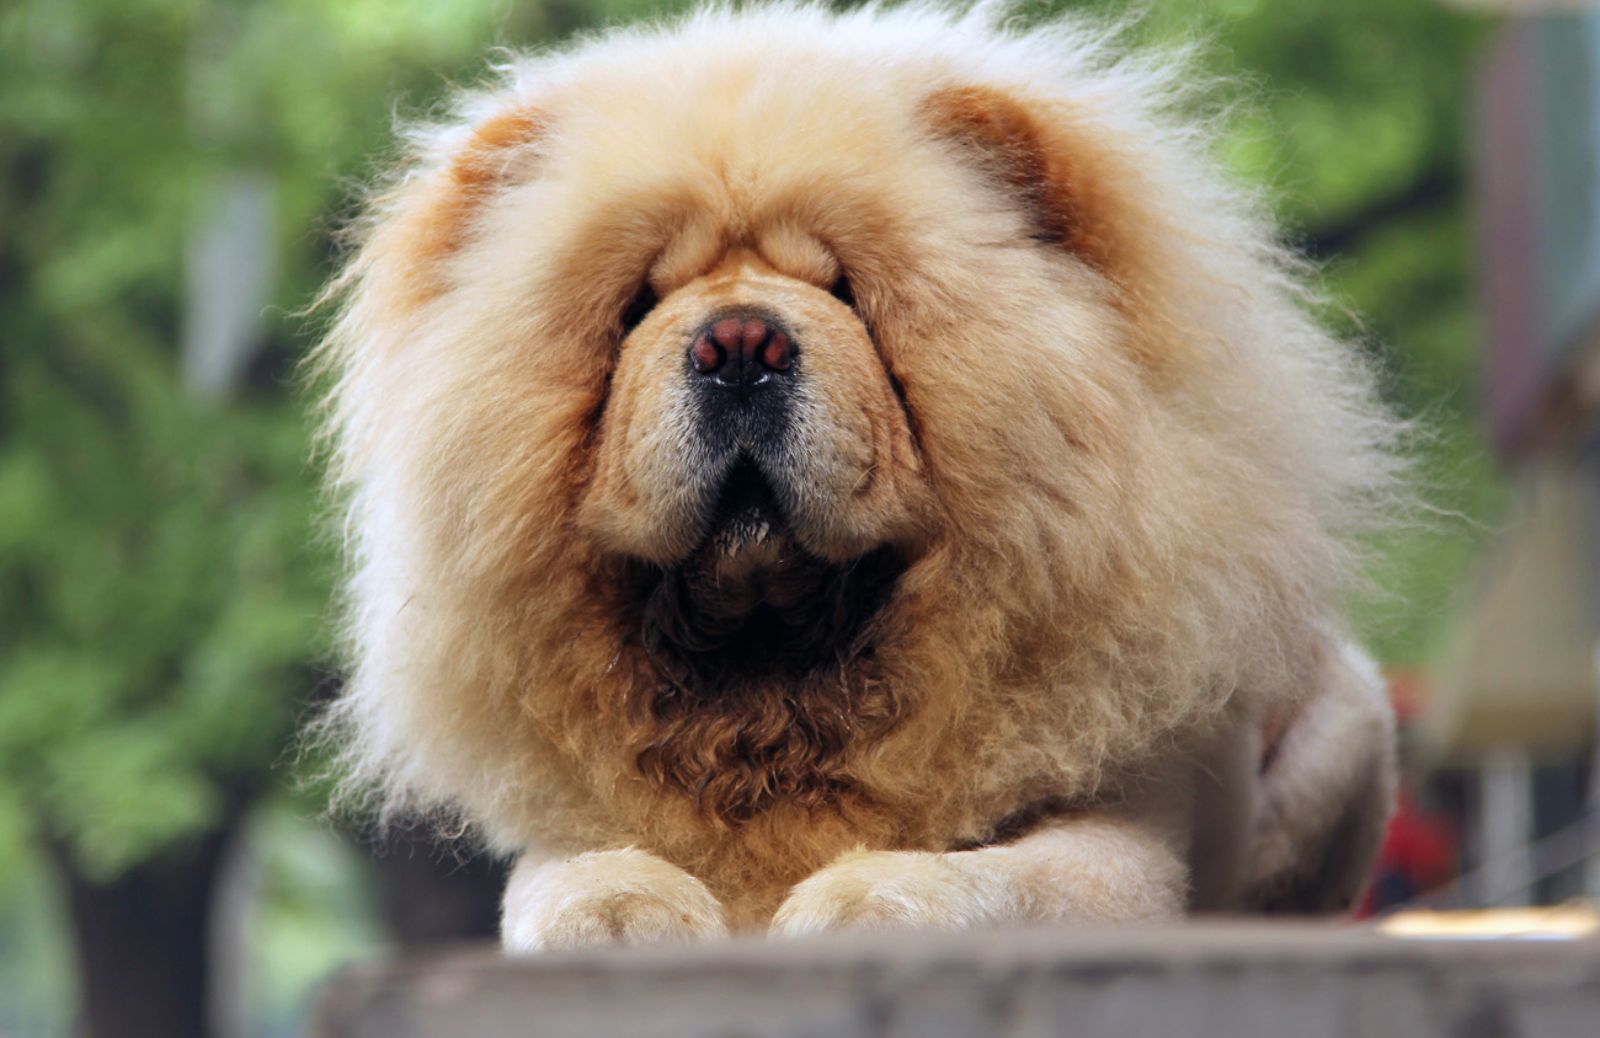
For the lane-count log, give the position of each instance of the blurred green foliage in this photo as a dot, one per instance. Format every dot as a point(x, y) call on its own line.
point(163, 589)
point(162, 581)
point(1357, 118)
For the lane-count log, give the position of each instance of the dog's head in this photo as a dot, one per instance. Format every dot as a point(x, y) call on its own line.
point(755, 450)
point(745, 389)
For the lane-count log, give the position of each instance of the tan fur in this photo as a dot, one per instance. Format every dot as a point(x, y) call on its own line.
point(1080, 871)
point(624, 896)
point(1312, 850)
point(1111, 469)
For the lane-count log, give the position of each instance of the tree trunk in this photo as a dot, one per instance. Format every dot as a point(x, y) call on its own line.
point(436, 891)
point(142, 941)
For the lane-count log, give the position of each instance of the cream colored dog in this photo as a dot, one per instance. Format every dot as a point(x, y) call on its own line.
point(810, 471)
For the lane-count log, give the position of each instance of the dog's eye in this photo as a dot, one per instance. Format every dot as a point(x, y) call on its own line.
point(843, 292)
point(639, 308)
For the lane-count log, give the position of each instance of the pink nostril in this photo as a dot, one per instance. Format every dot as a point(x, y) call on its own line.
point(776, 354)
point(706, 355)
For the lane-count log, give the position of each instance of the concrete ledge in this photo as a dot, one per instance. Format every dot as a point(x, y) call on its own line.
point(1198, 980)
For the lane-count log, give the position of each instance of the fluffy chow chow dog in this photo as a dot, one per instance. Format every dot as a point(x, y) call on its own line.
point(811, 471)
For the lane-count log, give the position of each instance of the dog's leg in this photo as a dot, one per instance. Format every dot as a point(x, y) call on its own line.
point(1326, 794)
point(605, 897)
point(1087, 868)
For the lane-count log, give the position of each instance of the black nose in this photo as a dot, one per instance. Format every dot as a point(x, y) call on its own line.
point(741, 351)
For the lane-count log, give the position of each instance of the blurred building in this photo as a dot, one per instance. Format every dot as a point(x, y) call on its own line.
point(1512, 722)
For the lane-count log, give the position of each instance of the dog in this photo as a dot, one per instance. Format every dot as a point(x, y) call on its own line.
point(812, 471)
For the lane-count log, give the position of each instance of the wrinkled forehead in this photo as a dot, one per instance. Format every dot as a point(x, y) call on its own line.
point(748, 138)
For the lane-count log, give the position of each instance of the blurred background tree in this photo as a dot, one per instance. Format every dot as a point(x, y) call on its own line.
point(170, 174)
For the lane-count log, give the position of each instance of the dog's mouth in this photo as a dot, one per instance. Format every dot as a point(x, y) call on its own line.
point(750, 600)
point(747, 528)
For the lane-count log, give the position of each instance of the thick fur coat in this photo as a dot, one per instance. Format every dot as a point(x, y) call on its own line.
point(965, 599)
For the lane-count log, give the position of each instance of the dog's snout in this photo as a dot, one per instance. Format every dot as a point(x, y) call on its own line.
point(741, 351)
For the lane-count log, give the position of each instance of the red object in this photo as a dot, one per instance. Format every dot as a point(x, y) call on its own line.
point(1419, 853)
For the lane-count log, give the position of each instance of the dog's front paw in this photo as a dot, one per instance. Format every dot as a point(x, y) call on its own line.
point(606, 898)
point(891, 890)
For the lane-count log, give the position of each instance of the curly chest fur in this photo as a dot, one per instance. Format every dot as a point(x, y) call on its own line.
point(770, 708)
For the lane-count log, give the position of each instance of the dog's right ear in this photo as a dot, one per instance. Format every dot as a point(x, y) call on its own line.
point(1077, 193)
point(428, 217)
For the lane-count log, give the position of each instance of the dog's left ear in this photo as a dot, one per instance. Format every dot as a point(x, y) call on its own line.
point(429, 217)
point(1029, 152)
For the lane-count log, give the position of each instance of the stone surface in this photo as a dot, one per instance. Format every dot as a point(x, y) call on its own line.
point(1198, 980)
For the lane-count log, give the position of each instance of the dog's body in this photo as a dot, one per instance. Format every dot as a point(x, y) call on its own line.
point(813, 471)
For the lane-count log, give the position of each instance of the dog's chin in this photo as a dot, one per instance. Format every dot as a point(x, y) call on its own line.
point(750, 600)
